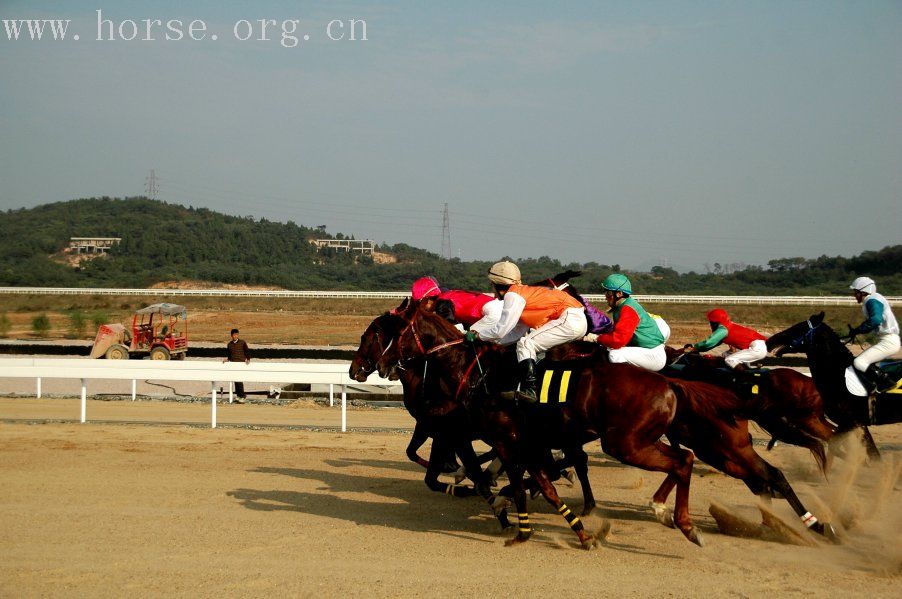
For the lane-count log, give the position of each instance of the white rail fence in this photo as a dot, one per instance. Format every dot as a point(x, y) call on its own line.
point(770, 300)
point(332, 374)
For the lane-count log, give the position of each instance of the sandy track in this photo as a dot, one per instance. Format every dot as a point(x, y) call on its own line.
point(118, 509)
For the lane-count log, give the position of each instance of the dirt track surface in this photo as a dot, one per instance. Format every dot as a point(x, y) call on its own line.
point(125, 509)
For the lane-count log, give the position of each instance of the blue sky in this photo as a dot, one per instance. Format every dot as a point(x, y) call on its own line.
point(619, 132)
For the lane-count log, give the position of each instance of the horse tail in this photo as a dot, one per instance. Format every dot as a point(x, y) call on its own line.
point(705, 401)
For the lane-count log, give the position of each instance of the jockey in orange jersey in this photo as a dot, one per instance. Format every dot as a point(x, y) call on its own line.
point(554, 317)
point(746, 345)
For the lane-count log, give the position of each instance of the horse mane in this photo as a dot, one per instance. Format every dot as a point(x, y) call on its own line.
point(831, 343)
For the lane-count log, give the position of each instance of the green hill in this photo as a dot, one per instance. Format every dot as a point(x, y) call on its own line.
point(166, 242)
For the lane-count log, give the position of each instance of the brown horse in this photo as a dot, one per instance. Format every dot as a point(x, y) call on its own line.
point(629, 409)
point(784, 402)
point(449, 431)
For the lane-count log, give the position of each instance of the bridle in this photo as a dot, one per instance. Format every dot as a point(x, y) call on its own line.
point(426, 353)
point(805, 338)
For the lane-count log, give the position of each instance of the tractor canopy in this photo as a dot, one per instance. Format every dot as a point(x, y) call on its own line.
point(164, 309)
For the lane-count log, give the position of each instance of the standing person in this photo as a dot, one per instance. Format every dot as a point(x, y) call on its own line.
point(238, 351)
point(636, 338)
point(879, 318)
point(746, 345)
point(554, 317)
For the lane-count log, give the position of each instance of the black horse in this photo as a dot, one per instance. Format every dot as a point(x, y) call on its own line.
point(828, 359)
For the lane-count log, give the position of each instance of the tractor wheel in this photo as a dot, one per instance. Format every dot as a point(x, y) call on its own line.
point(159, 353)
point(179, 356)
point(117, 352)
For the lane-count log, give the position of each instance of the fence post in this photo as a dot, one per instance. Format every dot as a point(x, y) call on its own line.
point(331, 395)
point(84, 400)
point(39, 387)
point(213, 394)
point(134, 389)
point(231, 391)
point(344, 409)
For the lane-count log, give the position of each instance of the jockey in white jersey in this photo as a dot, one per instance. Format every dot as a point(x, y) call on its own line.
point(879, 319)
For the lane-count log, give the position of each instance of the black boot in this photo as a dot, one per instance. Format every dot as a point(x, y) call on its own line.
point(527, 390)
point(877, 380)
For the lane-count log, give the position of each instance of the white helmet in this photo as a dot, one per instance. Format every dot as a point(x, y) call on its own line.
point(504, 273)
point(864, 285)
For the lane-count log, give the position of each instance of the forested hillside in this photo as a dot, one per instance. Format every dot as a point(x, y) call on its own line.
point(165, 242)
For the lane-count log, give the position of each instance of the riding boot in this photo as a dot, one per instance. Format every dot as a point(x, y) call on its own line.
point(527, 390)
point(879, 380)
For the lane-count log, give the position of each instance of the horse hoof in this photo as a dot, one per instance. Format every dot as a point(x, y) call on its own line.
point(663, 514)
point(696, 537)
point(604, 531)
point(590, 544)
point(830, 534)
point(587, 510)
point(517, 540)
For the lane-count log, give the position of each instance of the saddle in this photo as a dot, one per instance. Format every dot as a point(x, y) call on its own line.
point(744, 383)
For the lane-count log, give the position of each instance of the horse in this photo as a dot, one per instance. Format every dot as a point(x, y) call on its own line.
point(448, 431)
point(784, 402)
point(710, 420)
point(828, 359)
point(704, 419)
point(629, 409)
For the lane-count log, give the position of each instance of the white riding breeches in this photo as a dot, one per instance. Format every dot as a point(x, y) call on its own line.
point(757, 351)
point(653, 359)
point(884, 348)
point(570, 326)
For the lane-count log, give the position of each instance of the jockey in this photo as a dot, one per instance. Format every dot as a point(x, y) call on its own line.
point(554, 317)
point(746, 345)
point(470, 307)
point(636, 338)
point(879, 319)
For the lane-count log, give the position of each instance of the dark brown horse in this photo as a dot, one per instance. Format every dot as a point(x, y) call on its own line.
point(784, 402)
point(828, 359)
point(449, 431)
point(627, 408)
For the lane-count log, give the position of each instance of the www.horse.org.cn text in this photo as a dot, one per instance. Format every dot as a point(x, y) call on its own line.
point(288, 33)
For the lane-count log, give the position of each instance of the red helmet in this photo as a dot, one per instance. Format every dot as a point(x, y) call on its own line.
point(718, 315)
point(424, 287)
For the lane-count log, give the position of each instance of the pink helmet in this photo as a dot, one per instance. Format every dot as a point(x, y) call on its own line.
point(424, 287)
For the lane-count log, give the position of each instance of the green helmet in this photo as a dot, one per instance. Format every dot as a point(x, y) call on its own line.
point(618, 282)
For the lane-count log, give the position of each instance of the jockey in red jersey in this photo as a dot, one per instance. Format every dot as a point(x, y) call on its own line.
point(470, 307)
point(746, 345)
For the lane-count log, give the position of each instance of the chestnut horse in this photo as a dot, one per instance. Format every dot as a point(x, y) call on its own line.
point(629, 409)
point(785, 403)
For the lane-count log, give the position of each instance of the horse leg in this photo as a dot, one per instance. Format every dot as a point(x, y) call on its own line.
point(581, 465)
point(658, 502)
point(676, 462)
point(524, 529)
point(440, 448)
point(802, 438)
point(551, 496)
point(740, 460)
point(870, 445)
point(416, 441)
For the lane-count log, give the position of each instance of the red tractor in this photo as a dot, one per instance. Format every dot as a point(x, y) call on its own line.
point(160, 330)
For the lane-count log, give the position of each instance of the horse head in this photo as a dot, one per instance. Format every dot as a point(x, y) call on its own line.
point(375, 341)
point(797, 338)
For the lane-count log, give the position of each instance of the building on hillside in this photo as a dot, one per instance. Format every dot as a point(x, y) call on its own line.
point(92, 245)
point(366, 247)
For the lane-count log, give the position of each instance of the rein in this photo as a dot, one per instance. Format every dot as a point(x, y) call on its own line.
point(411, 326)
